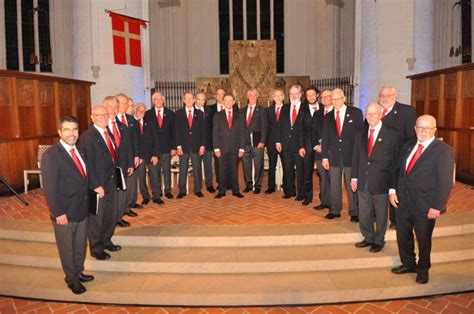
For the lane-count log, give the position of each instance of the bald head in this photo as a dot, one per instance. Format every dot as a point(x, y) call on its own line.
point(373, 114)
point(425, 127)
point(338, 98)
point(100, 116)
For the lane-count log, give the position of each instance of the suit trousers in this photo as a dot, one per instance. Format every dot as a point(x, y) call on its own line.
point(372, 207)
point(392, 215)
point(101, 227)
point(308, 164)
point(141, 176)
point(71, 241)
point(122, 202)
point(228, 173)
point(324, 184)
point(183, 172)
point(335, 176)
point(407, 221)
point(154, 173)
point(293, 173)
point(132, 189)
point(272, 163)
point(207, 163)
point(256, 155)
point(216, 169)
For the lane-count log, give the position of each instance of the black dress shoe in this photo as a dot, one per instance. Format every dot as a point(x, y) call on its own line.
point(422, 277)
point(131, 213)
point(199, 194)
point(306, 202)
point(123, 223)
point(376, 248)
point(269, 191)
point(158, 201)
point(256, 191)
point(239, 195)
point(85, 278)
point(286, 196)
point(393, 226)
point(332, 216)
point(181, 195)
point(77, 288)
point(169, 195)
point(145, 201)
point(113, 248)
point(299, 198)
point(321, 206)
point(247, 189)
point(403, 270)
point(137, 206)
point(362, 244)
point(211, 189)
point(219, 195)
point(354, 219)
point(101, 255)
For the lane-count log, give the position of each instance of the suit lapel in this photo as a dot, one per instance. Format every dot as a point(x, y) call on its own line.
point(101, 140)
point(68, 159)
point(426, 154)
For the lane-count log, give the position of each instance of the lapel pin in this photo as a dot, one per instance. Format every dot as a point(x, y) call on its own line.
point(394, 112)
point(347, 115)
point(380, 140)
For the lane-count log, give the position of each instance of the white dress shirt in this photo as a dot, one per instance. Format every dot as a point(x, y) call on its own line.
point(68, 148)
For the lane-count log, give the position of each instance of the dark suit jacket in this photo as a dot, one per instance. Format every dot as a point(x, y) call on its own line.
point(192, 139)
point(288, 135)
point(100, 166)
point(430, 180)
point(208, 115)
point(165, 134)
point(258, 126)
point(402, 118)
point(65, 189)
point(225, 139)
point(125, 150)
point(214, 107)
point(337, 148)
point(147, 142)
point(132, 124)
point(310, 132)
point(380, 169)
point(273, 126)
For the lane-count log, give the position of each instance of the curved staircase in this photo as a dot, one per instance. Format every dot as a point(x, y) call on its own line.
point(235, 265)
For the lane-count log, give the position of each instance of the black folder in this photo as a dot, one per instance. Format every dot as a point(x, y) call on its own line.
point(120, 178)
point(93, 202)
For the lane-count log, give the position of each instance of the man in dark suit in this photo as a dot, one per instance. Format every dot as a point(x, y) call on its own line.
point(399, 116)
point(287, 144)
point(273, 118)
point(218, 106)
point(424, 182)
point(374, 166)
point(123, 141)
point(256, 127)
point(144, 152)
point(339, 131)
point(160, 120)
point(132, 126)
point(98, 145)
point(190, 135)
point(206, 158)
point(229, 142)
point(309, 139)
point(66, 189)
point(324, 180)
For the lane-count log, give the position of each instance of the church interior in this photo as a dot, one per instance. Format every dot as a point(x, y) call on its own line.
point(264, 252)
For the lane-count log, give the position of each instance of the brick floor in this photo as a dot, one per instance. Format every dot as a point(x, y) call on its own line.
point(455, 303)
point(191, 210)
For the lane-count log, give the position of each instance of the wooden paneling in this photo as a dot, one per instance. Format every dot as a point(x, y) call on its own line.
point(30, 105)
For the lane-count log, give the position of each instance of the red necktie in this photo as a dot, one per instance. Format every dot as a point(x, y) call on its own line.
point(293, 118)
point(190, 119)
point(229, 119)
point(370, 145)
point(249, 118)
point(123, 120)
point(325, 111)
point(338, 123)
point(278, 114)
point(140, 123)
point(110, 145)
point(222, 107)
point(414, 158)
point(384, 112)
point(116, 133)
point(158, 116)
point(78, 163)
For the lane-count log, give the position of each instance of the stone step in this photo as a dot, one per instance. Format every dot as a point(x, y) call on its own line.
point(199, 260)
point(234, 236)
point(237, 289)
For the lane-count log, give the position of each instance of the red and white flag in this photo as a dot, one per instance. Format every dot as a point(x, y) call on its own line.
point(126, 38)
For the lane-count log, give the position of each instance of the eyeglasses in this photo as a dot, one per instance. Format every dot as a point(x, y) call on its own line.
point(327, 96)
point(101, 115)
point(386, 95)
point(338, 98)
point(420, 128)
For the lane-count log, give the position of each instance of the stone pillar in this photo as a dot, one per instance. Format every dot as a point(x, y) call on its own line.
point(93, 50)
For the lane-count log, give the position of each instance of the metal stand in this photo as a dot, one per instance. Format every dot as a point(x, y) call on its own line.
point(14, 192)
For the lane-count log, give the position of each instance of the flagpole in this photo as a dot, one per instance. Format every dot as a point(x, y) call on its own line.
point(109, 11)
